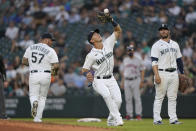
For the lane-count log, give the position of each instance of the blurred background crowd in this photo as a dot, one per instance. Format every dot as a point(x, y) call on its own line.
point(23, 21)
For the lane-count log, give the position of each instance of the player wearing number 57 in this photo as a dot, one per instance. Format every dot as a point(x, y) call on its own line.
point(42, 61)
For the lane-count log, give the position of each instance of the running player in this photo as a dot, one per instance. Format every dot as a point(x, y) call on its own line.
point(42, 60)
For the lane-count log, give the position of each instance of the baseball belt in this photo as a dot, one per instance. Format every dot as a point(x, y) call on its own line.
point(35, 71)
point(132, 78)
point(104, 77)
point(168, 69)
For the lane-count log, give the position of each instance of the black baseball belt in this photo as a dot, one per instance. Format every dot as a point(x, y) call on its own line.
point(35, 71)
point(130, 78)
point(104, 77)
point(168, 69)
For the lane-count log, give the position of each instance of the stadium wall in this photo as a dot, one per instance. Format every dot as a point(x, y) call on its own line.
point(93, 106)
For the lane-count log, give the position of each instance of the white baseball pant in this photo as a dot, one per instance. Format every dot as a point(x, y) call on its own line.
point(39, 83)
point(110, 91)
point(169, 84)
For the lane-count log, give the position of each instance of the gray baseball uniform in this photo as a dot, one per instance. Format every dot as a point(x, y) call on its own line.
point(131, 68)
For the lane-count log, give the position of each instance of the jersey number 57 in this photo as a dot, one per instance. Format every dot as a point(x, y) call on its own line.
point(35, 56)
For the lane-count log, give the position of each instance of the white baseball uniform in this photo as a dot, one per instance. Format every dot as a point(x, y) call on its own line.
point(131, 68)
point(40, 58)
point(101, 61)
point(167, 53)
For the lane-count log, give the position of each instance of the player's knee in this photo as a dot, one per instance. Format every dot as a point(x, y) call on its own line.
point(159, 98)
point(172, 98)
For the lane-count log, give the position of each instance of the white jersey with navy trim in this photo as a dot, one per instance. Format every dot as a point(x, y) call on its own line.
point(101, 60)
point(40, 56)
point(166, 52)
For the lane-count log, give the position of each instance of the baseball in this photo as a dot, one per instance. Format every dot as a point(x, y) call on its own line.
point(106, 11)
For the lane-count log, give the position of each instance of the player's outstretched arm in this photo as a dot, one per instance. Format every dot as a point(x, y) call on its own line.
point(117, 29)
point(25, 61)
point(108, 18)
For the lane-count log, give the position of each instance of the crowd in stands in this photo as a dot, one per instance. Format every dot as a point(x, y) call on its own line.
point(23, 21)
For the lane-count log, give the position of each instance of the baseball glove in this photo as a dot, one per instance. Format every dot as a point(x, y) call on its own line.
point(54, 71)
point(104, 18)
point(184, 83)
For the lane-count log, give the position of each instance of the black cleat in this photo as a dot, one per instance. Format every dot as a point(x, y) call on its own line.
point(158, 123)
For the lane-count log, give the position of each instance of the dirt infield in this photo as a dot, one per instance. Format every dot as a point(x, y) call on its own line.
point(10, 125)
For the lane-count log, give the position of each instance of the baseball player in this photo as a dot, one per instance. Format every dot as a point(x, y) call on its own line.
point(42, 61)
point(100, 60)
point(132, 71)
point(166, 59)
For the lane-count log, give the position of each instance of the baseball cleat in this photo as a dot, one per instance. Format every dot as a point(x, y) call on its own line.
point(34, 109)
point(37, 120)
point(138, 117)
point(158, 123)
point(176, 122)
point(127, 117)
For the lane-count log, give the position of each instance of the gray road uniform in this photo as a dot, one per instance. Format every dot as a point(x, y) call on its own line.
point(131, 68)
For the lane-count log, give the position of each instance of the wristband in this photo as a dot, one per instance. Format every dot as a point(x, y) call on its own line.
point(114, 23)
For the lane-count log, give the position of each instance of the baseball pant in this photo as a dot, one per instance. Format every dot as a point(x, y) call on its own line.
point(169, 84)
point(38, 89)
point(110, 91)
point(2, 99)
point(132, 91)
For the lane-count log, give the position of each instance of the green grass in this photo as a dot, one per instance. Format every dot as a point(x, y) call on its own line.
point(133, 125)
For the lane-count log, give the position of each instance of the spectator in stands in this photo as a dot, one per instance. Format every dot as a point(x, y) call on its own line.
point(62, 15)
point(69, 78)
point(74, 16)
point(128, 37)
point(190, 16)
point(10, 72)
point(187, 51)
point(162, 17)
point(80, 80)
point(17, 62)
point(18, 91)
point(174, 9)
point(24, 44)
point(12, 31)
point(57, 88)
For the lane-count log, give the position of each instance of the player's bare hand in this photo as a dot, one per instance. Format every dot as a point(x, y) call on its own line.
point(157, 79)
point(89, 77)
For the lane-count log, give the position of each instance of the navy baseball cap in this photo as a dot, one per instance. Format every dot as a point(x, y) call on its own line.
point(47, 35)
point(90, 35)
point(163, 26)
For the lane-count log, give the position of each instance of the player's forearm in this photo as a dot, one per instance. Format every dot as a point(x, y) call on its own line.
point(117, 28)
point(155, 70)
point(25, 61)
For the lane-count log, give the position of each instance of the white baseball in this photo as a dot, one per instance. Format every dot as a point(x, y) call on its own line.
point(106, 11)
